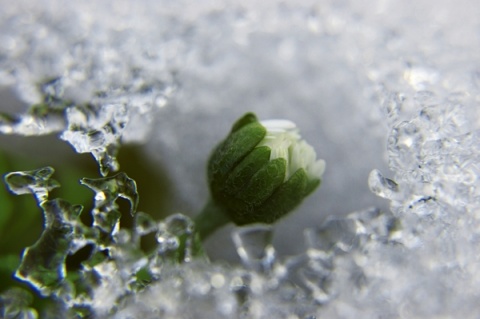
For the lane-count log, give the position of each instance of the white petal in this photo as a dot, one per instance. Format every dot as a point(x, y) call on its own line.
point(317, 169)
point(278, 125)
point(285, 142)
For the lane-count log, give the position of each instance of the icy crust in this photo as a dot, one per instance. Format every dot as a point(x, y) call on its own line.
point(120, 280)
point(92, 81)
point(434, 152)
point(420, 260)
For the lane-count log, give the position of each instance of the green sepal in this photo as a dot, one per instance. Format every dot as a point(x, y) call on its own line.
point(246, 186)
point(244, 171)
point(232, 151)
point(256, 185)
point(264, 182)
point(288, 196)
point(244, 120)
point(312, 185)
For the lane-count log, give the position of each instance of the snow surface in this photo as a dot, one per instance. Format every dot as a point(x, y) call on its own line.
point(375, 87)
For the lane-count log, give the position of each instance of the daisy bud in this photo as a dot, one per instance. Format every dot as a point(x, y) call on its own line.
point(262, 171)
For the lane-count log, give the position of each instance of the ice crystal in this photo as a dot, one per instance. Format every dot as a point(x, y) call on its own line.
point(107, 191)
point(349, 73)
point(35, 182)
point(96, 131)
point(43, 264)
point(254, 246)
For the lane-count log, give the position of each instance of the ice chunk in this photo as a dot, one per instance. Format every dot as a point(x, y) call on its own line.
point(176, 239)
point(381, 186)
point(32, 124)
point(43, 264)
point(107, 190)
point(128, 257)
point(36, 182)
point(97, 131)
point(254, 246)
point(339, 235)
point(144, 224)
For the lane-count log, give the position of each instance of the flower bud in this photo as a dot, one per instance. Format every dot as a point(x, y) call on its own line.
point(262, 170)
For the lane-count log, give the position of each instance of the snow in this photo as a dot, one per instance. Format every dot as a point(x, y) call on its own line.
point(376, 87)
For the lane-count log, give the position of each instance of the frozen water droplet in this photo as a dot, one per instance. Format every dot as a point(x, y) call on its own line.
point(166, 242)
point(382, 186)
point(107, 191)
point(175, 238)
point(144, 224)
point(43, 264)
point(338, 235)
point(377, 224)
point(179, 225)
point(107, 159)
point(254, 246)
point(127, 254)
point(37, 182)
point(119, 185)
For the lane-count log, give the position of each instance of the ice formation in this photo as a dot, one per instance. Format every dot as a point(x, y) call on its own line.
point(350, 72)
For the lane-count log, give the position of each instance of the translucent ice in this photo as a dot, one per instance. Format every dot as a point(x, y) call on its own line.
point(175, 237)
point(43, 264)
point(37, 183)
point(107, 191)
point(382, 186)
point(96, 131)
point(254, 246)
point(377, 86)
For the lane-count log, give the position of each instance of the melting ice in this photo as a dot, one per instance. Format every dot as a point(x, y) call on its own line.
point(353, 74)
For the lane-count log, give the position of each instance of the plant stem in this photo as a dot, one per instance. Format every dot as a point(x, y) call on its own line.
point(209, 220)
point(206, 223)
